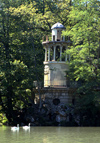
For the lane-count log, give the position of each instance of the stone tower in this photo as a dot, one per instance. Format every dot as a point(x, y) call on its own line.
point(55, 67)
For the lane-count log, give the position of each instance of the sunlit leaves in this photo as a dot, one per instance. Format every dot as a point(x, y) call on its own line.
point(85, 34)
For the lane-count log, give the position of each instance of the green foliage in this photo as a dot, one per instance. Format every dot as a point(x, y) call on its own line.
point(85, 32)
point(18, 69)
point(3, 119)
point(84, 65)
point(23, 23)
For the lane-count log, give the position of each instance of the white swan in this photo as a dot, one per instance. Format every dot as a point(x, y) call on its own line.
point(15, 128)
point(26, 127)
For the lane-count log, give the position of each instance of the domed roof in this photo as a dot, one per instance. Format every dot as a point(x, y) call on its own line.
point(58, 25)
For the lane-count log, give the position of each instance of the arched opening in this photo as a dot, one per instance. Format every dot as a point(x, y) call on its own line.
point(53, 37)
point(56, 101)
point(57, 53)
point(63, 53)
point(58, 35)
point(73, 101)
point(51, 53)
point(47, 54)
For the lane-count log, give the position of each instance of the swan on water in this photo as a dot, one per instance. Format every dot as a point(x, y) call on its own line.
point(15, 128)
point(26, 127)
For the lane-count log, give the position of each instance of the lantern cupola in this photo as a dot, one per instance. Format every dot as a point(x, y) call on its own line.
point(57, 32)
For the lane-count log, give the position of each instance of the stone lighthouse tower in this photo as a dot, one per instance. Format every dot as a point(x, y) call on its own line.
point(55, 66)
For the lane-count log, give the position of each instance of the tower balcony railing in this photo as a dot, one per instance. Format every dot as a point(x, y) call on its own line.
point(46, 38)
point(50, 38)
point(61, 83)
point(57, 84)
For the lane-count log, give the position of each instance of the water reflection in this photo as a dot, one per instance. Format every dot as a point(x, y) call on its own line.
point(51, 135)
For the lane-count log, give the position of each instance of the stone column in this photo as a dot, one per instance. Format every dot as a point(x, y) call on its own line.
point(54, 53)
point(66, 55)
point(45, 54)
point(63, 38)
point(46, 37)
point(61, 53)
point(48, 53)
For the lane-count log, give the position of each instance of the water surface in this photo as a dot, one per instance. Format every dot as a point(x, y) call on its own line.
point(51, 135)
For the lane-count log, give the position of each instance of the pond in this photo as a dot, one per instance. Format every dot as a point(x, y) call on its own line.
point(51, 135)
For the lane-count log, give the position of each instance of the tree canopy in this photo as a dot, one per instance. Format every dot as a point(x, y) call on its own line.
point(23, 24)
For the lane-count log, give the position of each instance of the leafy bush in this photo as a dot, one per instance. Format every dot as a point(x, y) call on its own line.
point(3, 119)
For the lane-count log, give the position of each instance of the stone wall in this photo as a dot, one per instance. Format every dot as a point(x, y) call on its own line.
point(55, 73)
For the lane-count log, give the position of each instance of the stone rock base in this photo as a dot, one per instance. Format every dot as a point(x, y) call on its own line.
point(57, 96)
point(57, 102)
